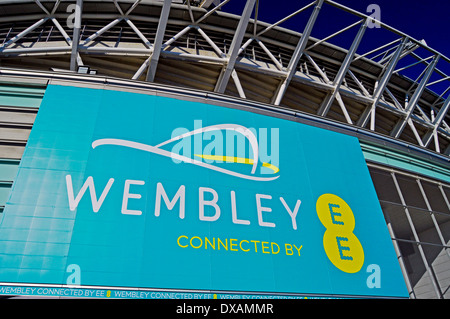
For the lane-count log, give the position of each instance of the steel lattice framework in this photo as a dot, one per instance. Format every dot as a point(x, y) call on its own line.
point(194, 44)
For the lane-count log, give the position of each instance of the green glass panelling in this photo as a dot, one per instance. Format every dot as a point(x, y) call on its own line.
point(8, 170)
point(21, 96)
point(405, 162)
point(5, 188)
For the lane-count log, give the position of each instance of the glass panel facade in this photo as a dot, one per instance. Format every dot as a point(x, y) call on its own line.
point(417, 213)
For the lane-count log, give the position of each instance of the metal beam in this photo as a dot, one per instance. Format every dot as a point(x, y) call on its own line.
point(134, 5)
point(157, 45)
point(76, 35)
point(237, 82)
point(42, 7)
point(191, 15)
point(385, 77)
point(333, 35)
point(139, 33)
point(211, 11)
point(207, 3)
point(62, 31)
point(176, 36)
point(23, 33)
point(210, 42)
point(102, 30)
point(412, 64)
point(234, 48)
point(358, 82)
point(285, 19)
point(314, 64)
point(329, 99)
point(118, 7)
point(56, 5)
point(437, 81)
point(270, 55)
point(375, 50)
point(437, 122)
point(410, 48)
point(398, 129)
point(301, 45)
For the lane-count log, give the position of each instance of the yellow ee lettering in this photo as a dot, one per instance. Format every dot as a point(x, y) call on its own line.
point(341, 245)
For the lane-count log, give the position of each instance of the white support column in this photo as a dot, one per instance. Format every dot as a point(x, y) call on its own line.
point(76, 35)
point(297, 54)
point(398, 129)
point(234, 48)
point(157, 45)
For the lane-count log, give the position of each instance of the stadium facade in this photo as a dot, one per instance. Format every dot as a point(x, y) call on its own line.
point(168, 149)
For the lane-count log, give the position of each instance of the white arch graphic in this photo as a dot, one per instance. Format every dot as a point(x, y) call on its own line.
point(157, 150)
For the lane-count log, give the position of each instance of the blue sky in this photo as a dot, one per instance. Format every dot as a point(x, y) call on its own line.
point(426, 20)
point(420, 19)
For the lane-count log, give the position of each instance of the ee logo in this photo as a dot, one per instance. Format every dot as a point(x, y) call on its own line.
point(342, 247)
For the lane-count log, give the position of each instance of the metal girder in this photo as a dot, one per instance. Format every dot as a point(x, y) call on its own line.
point(102, 30)
point(398, 129)
point(208, 3)
point(375, 50)
point(270, 27)
point(23, 33)
point(210, 42)
point(234, 48)
point(332, 35)
point(385, 77)
point(134, 5)
point(63, 32)
point(211, 11)
point(157, 45)
point(410, 48)
point(42, 7)
point(298, 52)
point(328, 101)
point(139, 33)
point(76, 35)
point(436, 123)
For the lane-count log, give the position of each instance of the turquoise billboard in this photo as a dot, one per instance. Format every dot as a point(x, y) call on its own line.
point(126, 190)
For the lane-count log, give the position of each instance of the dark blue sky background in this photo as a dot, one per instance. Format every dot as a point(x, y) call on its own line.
point(420, 19)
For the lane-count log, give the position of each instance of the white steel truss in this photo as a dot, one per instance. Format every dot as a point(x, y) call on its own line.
point(247, 45)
